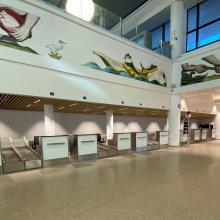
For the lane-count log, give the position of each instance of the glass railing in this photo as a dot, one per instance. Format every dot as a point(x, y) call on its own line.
point(112, 22)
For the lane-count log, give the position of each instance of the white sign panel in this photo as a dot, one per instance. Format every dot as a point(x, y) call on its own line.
point(0, 158)
point(141, 140)
point(56, 147)
point(87, 144)
point(183, 138)
point(204, 134)
point(124, 141)
point(197, 135)
point(163, 137)
point(213, 133)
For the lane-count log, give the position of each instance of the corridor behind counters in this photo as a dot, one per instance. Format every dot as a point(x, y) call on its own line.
point(173, 183)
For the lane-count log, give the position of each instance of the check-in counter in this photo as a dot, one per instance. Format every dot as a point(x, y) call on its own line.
point(162, 138)
point(183, 138)
point(123, 142)
point(139, 141)
point(84, 147)
point(204, 133)
point(1, 170)
point(213, 134)
point(195, 135)
point(54, 148)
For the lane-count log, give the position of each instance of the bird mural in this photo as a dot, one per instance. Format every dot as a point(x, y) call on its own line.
point(55, 48)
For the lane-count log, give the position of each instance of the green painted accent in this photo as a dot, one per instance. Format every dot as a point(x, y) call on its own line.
point(55, 55)
point(17, 47)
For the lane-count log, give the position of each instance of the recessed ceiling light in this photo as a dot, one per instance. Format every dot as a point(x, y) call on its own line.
point(61, 108)
point(73, 104)
point(121, 109)
point(101, 107)
point(28, 106)
point(37, 101)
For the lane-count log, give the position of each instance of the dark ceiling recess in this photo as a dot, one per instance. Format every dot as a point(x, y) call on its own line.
point(121, 8)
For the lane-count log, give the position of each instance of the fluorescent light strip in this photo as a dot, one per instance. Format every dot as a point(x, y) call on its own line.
point(73, 104)
point(37, 101)
point(121, 109)
point(28, 106)
point(101, 107)
point(88, 109)
point(61, 108)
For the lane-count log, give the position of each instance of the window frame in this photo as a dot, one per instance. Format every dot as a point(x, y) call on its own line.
point(198, 28)
point(163, 33)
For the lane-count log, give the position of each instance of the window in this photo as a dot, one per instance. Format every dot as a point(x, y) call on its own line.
point(203, 24)
point(162, 33)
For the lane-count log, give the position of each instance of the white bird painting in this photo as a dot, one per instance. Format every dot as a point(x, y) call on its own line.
point(55, 48)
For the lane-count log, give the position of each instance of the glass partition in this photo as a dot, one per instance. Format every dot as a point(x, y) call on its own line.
point(156, 40)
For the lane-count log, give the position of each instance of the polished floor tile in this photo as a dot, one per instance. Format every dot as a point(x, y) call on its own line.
point(172, 184)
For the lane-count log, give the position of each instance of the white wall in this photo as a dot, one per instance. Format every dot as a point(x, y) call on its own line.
point(21, 123)
point(24, 72)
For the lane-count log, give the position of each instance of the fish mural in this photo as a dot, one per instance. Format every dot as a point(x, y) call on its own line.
point(16, 26)
point(151, 74)
point(192, 73)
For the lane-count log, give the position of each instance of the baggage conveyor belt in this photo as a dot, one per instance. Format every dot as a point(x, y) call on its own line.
point(32, 159)
point(11, 160)
point(19, 159)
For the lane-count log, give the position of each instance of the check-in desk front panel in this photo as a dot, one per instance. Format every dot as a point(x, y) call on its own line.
point(162, 137)
point(183, 137)
point(123, 141)
point(55, 147)
point(204, 133)
point(213, 133)
point(87, 145)
point(197, 135)
point(141, 140)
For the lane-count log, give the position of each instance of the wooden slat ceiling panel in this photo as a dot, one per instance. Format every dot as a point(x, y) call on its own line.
point(28, 103)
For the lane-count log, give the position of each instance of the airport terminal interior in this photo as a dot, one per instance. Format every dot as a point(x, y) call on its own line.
point(110, 109)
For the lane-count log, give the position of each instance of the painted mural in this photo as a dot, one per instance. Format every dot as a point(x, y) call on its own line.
point(126, 68)
point(196, 73)
point(16, 26)
point(54, 49)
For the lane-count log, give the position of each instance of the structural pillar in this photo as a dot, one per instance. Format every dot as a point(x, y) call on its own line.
point(174, 115)
point(49, 120)
point(217, 122)
point(109, 124)
point(177, 29)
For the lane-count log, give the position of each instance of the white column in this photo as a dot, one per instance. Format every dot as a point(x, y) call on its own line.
point(109, 124)
point(217, 122)
point(49, 120)
point(177, 28)
point(174, 120)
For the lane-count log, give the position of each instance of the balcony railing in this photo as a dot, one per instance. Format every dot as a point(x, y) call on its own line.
point(112, 22)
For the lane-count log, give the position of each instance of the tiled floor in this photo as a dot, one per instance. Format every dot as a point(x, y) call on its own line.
point(178, 183)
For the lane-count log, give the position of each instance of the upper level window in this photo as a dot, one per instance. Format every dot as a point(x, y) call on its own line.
point(160, 34)
point(203, 24)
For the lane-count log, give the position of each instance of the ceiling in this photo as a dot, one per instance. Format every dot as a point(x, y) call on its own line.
point(122, 8)
point(28, 103)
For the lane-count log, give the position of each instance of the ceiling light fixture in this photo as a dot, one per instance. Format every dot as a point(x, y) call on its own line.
point(28, 106)
point(101, 107)
point(88, 109)
point(37, 101)
point(81, 8)
point(121, 109)
point(61, 108)
point(74, 104)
